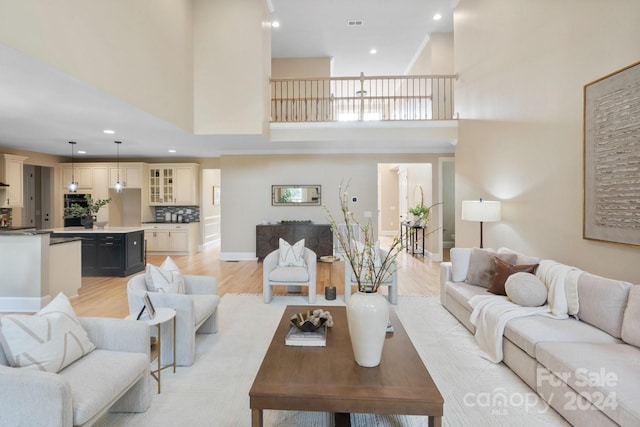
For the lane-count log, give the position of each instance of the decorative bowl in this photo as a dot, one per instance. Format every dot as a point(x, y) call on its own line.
point(302, 321)
point(101, 224)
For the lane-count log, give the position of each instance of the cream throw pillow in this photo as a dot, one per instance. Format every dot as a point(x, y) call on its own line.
point(291, 255)
point(165, 279)
point(48, 340)
point(526, 289)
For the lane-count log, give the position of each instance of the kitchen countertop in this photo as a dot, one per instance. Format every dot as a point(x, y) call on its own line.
point(61, 240)
point(169, 222)
point(82, 230)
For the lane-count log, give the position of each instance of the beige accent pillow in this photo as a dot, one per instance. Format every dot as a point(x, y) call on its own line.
point(631, 319)
point(48, 340)
point(482, 267)
point(526, 289)
point(291, 255)
point(164, 279)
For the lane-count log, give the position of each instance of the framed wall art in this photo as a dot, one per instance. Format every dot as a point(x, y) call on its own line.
point(612, 157)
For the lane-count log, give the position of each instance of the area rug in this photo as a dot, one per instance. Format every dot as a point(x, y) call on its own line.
point(215, 390)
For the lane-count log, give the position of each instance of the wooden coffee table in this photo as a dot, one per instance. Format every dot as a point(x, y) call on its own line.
point(327, 379)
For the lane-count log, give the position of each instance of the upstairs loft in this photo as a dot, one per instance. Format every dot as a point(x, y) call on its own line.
point(376, 109)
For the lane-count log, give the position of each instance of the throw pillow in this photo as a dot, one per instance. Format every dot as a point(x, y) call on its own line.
point(482, 267)
point(48, 340)
point(291, 255)
point(505, 269)
point(166, 279)
point(631, 319)
point(526, 289)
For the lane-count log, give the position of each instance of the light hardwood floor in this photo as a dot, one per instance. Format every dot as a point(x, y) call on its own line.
point(107, 296)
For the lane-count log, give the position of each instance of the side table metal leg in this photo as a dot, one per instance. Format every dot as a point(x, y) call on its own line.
point(159, 370)
point(174, 344)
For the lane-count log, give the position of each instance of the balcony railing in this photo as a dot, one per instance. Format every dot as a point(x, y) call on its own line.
point(388, 98)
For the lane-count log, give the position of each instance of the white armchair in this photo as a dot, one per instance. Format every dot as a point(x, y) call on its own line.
point(196, 312)
point(114, 377)
point(391, 280)
point(273, 275)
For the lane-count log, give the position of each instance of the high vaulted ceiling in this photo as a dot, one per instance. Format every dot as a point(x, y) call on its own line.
point(397, 29)
point(42, 108)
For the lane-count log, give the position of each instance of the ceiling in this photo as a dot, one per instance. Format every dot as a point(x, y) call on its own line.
point(42, 108)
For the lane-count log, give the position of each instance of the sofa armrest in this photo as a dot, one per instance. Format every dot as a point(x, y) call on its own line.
point(445, 276)
point(117, 334)
point(202, 285)
point(31, 397)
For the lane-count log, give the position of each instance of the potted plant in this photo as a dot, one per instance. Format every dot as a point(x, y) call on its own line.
point(87, 214)
point(421, 213)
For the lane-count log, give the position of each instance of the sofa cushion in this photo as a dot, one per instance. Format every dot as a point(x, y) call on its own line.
point(99, 378)
point(48, 341)
point(482, 266)
point(526, 289)
point(605, 374)
point(166, 279)
point(462, 292)
point(505, 269)
point(602, 302)
point(528, 332)
point(291, 255)
point(631, 320)
point(289, 274)
point(459, 263)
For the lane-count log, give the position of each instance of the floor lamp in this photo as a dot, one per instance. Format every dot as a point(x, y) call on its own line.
point(480, 211)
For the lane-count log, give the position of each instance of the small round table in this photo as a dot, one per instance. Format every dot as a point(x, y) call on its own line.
point(162, 316)
point(330, 291)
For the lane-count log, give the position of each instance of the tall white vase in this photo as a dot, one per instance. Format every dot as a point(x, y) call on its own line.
point(367, 317)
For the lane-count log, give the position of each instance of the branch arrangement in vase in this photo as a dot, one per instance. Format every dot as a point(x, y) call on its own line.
point(369, 267)
point(92, 208)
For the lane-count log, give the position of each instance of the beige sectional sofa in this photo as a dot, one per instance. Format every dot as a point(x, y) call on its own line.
point(587, 366)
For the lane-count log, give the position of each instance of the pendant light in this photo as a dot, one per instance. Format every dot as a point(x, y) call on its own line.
point(118, 186)
point(73, 186)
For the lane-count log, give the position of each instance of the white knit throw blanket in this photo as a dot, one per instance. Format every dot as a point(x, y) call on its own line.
point(492, 312)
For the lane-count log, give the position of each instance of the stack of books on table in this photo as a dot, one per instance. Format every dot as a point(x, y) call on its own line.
point(295, 337)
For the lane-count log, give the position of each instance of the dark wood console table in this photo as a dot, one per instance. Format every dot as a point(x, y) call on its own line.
point(317, 237)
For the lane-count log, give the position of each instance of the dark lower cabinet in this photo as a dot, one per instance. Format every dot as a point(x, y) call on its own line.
point(317, 237)
point(110, 254)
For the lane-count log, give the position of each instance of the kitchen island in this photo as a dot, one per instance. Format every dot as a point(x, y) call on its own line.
point(109, 251)
point(35, 268)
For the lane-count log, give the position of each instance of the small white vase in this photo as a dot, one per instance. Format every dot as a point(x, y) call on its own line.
point(367, 317)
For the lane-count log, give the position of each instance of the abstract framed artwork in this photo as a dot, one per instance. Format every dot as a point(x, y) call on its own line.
point(612, 157)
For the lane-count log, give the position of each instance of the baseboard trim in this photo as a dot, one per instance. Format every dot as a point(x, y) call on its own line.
point(23, 304)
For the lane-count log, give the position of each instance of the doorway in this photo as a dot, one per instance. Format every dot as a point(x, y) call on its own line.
point(37, 190)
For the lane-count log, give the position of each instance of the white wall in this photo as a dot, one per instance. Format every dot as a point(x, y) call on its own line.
point(247, 180)
point(140, 52)
point(522, 67)
point(232, 66)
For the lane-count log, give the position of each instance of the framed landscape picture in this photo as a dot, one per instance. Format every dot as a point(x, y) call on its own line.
point(612, 157)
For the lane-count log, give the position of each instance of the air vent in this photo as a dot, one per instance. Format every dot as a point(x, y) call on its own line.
point(355, 23)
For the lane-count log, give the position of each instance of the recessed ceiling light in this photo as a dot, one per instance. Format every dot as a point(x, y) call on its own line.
point(437, 17)
point(275, 24)
point(82, 152)
point(109, 131)
point(172, 151)
point(373, 51)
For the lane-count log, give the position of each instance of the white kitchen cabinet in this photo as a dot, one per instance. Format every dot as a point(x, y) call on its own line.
point(100, 190)
point(173, 184)
point(83, 175)
point(171, 238)
point(11, 174)
point(130, 175)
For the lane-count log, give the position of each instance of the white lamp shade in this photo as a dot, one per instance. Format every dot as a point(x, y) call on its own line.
point(480, 210)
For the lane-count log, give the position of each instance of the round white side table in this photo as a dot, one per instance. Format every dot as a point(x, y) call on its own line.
point(162, 316)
